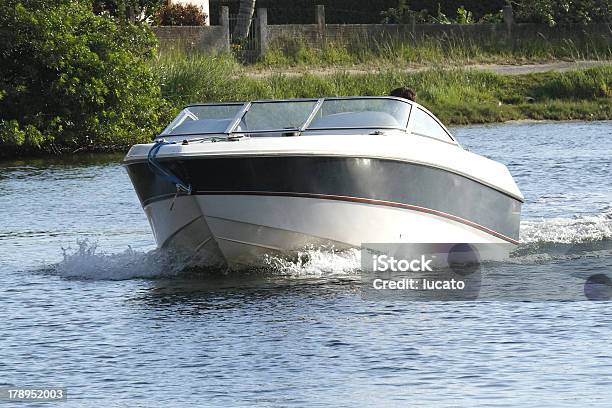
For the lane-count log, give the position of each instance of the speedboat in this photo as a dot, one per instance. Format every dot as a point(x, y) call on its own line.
point(233, 183)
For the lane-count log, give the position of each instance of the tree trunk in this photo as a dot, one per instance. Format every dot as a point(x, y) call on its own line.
point(243, 22)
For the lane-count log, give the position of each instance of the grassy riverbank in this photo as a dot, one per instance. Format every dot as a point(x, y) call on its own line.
point(457, 96)
point(77, 78)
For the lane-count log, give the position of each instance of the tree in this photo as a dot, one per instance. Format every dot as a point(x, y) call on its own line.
point(72, 79)
point(243, 21)
point(128, 10)
point(177, 14)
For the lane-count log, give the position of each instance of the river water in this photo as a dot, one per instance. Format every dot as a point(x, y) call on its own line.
point(87, 303)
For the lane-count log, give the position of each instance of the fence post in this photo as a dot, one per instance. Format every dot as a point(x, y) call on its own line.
point(320, 20)
point(508, 19)
point(224, 21)
point(262, 31)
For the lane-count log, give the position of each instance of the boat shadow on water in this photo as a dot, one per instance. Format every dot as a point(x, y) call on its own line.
point(218, 289)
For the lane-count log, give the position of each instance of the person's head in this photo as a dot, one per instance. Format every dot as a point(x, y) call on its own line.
point(404, 92)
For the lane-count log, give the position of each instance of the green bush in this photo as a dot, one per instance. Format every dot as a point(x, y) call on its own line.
point(356, 11)
point(369, 12)
point(402, 14)
point(555, 12)
point(70, 79)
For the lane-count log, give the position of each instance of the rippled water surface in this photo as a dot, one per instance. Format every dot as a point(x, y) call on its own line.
point(89, 304)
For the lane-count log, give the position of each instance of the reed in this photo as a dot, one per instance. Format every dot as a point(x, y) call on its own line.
point(442, 49)
point(185, 77)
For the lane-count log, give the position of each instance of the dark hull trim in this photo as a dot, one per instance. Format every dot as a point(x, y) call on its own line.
point(132, 162)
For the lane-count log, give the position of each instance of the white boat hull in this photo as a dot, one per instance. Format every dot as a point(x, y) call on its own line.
point(277, 195)
point(240, 231)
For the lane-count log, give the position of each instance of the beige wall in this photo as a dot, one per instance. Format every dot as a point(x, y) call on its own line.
point(208, 40)
point(201, 3)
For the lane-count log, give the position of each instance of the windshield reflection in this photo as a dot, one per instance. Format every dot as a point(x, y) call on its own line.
point(264, 118)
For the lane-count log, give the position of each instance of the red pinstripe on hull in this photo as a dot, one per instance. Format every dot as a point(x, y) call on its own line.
point(367, 201)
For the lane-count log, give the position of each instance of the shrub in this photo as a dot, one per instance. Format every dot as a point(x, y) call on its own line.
point(72, 80)
point(171, 14)
point(492, 18)
point(402, 14)
point(369, 12)
point(554, 12)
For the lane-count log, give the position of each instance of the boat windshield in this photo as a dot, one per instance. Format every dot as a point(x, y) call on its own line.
point(361, 113)
point(203, 119)
point(284, 117)
point(263, 117)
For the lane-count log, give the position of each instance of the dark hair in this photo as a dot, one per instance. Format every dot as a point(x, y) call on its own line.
point(404, 92)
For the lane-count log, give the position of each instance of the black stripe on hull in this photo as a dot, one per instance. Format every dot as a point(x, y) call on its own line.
point(368, 180)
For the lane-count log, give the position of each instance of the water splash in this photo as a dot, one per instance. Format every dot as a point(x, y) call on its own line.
point(541, 241)
point(318, 262)
point(568, 231)
point(565, 238)
point(87, 262)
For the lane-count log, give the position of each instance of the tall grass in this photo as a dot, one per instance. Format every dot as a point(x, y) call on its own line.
point(457, 96)
point(443, 49)
point(188, 77)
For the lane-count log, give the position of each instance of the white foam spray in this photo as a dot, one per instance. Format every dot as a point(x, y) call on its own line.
point(88, 262)
point(537, 240)
point(568, 230)
point(318, 262)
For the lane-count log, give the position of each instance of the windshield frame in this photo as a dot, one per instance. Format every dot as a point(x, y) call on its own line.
point(240, 116)
point(177, 121)
point(232, 128)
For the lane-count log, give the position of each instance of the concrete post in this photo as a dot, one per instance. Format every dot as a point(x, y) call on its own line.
point(262, 31)
point(508, 19)
point(224, 21)
point(320, 21)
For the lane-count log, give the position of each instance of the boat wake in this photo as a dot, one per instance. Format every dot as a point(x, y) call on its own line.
point(541, 241)
point(563, 238)
point(568, 231)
